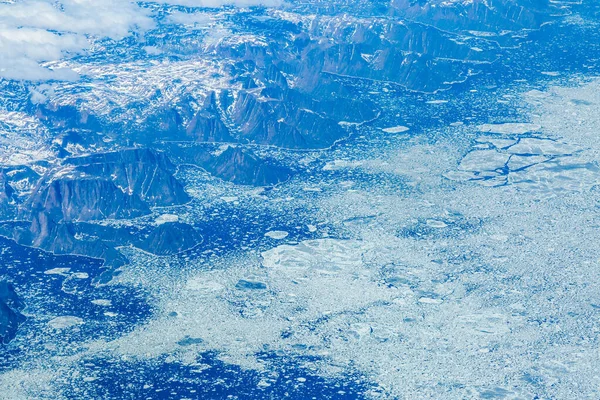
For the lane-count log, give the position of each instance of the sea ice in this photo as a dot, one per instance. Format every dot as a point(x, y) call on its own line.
point(516, 128)
point(65, 322)
point(277, 235)
point(396, 129)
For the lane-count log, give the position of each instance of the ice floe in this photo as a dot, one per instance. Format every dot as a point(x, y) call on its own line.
point(277, 235)
point(65, 322)
point(512, 128)
point(396, 129)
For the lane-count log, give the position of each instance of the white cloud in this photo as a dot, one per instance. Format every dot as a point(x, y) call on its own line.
point(21, 49)
point(35, 31)
point(109, 18)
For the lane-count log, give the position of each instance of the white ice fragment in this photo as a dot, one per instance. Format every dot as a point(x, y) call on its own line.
point(57, 271)
point(201, 285)
point(65, 322)
point(102, 302)
point(460, 176)
point(429, 300)
point(166, 218)
point(324, 254)
point(518, 162)
point(278, 235)
point(367, 57)
point(536, 94)
point(436, 223)
point(361, 330)
point(263, 383)
point(396, 129)
point(337, 165)
point(496, 142)
point(483, 33)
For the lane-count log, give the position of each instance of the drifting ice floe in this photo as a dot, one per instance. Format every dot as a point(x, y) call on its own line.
point(277, 235)
point(65, 322)
point(396, 129)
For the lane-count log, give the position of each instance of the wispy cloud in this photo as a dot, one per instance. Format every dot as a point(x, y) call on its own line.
point(35, 31)
point(21, 50)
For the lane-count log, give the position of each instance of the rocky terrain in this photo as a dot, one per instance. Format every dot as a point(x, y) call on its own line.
point(10, 315)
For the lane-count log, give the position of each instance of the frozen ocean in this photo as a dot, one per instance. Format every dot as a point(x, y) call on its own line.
point(325, 199)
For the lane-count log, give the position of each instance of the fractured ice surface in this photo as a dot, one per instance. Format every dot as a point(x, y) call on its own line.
point(484, 160)
point(444, 289)
point(553, 161)
point(321, 254)
point(543, 147)
point(511, 128)
point(473, 292)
